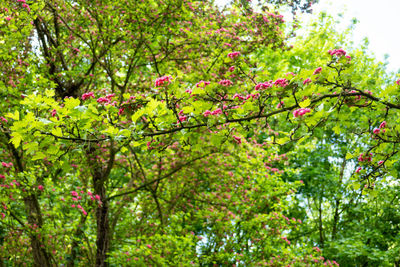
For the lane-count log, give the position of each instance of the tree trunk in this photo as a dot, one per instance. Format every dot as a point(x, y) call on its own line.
point(320, 227)
point(103, 228)
point(40, 256)
point(337, 201)
point(100, 175)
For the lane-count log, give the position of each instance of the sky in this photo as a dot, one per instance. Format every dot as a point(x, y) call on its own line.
point(378, 21)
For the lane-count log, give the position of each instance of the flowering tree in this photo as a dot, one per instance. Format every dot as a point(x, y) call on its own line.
point(150, 133)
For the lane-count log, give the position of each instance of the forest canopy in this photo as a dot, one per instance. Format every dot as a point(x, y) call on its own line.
point(186, 133)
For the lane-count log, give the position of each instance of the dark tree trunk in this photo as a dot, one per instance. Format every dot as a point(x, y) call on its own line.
point(103, 227)
point(338, 202)
point(34, 215)
point(41, 257)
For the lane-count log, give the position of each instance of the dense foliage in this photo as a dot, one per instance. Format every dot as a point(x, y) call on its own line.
point(177, 133)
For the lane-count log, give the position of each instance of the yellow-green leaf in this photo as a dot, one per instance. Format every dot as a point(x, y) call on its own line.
point(305, 103)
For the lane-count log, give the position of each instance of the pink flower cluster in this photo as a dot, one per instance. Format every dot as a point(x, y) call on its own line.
point(240, 97)
point(7, 165)
point(263, 85)
point(234, 55)
point(181, 117)
point(317, 70)
point(107, 99)
point(202, 84)
point(225, 82)
point(3, 119)
point(87, 95)
point(337, 52)
point(380, 129)
point(281, 82)
point(237, 139)
point(24, 4)
point(76, 197)
point(363, 157)
point(163, 81)
point(300, 112)
point(398, 82)
point(215, 112)
point(307, 81)
point(53, 113)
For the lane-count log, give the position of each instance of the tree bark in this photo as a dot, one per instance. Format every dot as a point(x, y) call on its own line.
point(338, 202)
point(103, 227)
point(40, 256)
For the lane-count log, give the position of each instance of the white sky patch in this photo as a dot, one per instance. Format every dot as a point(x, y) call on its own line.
point(378, 21)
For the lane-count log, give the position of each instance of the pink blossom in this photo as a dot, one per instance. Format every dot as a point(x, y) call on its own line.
point(149, 246)
point(225, 82)
point(398, 82)
point(264, 85)
point(216, 112)
point(358, 169)
point(234, 55)
point(317, 249)
point(237, 139)
point(7, 165)
point(376, 130)
point(206, 113)
point(8, 18)
point(110, 96)
point(97, 197)
point(307, 81)
point(53, 113)
point(202, 84)
point(380, 162)
point(337, 52)
point(182, 119)
point(238, 96)
point(281, 82)
point(163, 81)
point(231, 69)
point(300, 112)
point(317, 70)
point(363, 157)
point(87, 95)
point(74, 193)
point(382, 125)
point(40, 187)
point(103, 100)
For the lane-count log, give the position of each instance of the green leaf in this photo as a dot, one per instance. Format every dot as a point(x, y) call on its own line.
point(16, 139)
point(14, 116)
point(305, 103)
point(38, 155)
